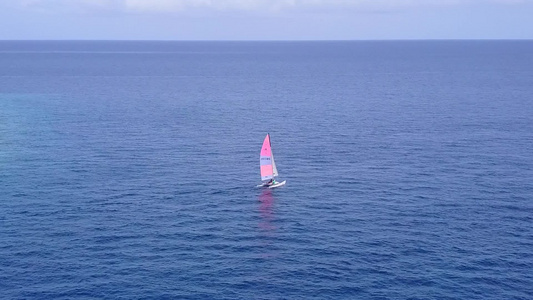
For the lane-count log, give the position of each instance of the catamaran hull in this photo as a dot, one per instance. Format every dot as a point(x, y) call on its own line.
point(272, 186)
point(277, 184)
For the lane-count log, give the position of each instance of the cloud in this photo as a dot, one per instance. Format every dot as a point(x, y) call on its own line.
point(271, 5)
point(174, 6)
point(62, 6)
point(219, 5)
point(279, 5)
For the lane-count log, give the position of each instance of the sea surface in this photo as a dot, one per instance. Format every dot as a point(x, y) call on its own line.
point(128, 170)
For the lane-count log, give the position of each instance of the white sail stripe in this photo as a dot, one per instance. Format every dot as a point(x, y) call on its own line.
point(274, 169)
point(265, 160)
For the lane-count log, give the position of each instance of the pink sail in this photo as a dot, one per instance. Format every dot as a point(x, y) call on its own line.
point(265, 160)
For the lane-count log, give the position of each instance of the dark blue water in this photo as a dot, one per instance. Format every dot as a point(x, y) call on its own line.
point(128, 170)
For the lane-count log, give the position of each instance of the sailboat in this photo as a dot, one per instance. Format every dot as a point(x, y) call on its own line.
point(268, 165)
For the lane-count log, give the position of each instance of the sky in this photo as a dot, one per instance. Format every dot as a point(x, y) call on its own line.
point(265, 19)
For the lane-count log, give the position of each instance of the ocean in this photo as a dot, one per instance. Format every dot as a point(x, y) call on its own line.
point(128, 170)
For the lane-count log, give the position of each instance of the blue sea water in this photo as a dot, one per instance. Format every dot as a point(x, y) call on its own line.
point(128, 170)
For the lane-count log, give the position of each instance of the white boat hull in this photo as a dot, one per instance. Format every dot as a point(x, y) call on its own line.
point(277, 184)
point(272, 186)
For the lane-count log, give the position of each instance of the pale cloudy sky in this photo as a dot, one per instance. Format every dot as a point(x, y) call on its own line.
point(265, 19)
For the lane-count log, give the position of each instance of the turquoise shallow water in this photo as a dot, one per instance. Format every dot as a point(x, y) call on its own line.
point(128, 170)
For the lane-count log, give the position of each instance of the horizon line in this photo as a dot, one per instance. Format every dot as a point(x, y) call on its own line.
point(264, 40)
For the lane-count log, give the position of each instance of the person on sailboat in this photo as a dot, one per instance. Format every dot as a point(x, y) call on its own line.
point(271, 182)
